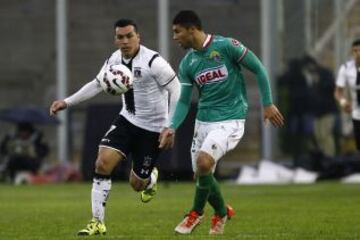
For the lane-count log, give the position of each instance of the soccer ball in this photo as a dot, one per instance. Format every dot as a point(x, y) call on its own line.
point(117, 79)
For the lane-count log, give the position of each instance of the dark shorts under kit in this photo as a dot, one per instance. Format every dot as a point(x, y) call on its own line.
point(126, 138)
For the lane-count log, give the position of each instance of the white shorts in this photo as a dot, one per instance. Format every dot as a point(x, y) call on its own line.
point(216, 138)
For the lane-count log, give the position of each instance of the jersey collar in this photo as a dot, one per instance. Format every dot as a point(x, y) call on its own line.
point(130, 59)
point(207, 41)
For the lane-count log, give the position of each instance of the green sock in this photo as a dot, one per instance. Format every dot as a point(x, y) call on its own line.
point(216, 199)
point(203, 188)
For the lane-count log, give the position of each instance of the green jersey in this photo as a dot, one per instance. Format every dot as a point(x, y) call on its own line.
point(216, 71)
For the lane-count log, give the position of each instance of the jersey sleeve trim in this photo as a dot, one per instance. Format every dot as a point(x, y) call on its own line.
point(169, 81)
point(152, 59)
point(242, 55)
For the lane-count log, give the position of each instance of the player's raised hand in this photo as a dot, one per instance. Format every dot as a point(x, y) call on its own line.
point(166, 138)
point(56, 106)
point(273, 114)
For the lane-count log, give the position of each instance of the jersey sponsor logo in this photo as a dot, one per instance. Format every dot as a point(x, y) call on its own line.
point(212, 75)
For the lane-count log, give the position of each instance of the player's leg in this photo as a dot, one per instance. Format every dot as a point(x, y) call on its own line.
point(109, 156)
point(215, 140)
point(145, 151)
point(195, 216)
point(222, 138)
point(204, 180)
point(106, 161)
point(147, 186)
point(204, 183)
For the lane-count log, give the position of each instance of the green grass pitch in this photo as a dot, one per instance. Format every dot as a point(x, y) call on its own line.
point(319, 211)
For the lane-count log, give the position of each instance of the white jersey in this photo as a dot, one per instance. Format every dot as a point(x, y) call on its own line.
point(151, 74)
point(347, 77)
point(156, 90)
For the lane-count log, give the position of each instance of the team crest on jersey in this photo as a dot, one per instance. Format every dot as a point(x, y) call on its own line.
point(215, 55)
point(212, 75)
point(137, 72)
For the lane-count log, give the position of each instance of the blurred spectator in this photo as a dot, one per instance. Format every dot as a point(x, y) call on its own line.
point(298, 135)
point(322, 105)
point(23, 150)
point(306, 97)
point(349, 75)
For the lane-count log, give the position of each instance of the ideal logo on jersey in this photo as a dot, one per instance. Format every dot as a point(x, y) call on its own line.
point(212, 75)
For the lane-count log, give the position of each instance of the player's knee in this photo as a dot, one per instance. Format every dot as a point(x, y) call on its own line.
point(204, 164)
point(102, 165)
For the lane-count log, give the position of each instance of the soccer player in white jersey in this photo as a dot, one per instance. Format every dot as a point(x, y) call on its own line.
point(213, 65)
point(147, 108)
point(349, 75)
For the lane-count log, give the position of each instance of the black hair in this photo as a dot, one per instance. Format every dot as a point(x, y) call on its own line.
point(124, 23)
point(188, 18)
point(356, 43)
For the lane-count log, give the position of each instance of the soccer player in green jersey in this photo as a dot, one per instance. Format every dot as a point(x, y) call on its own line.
point(214, 65)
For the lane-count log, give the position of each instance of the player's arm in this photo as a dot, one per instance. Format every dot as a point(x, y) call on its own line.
point(166, 77)
point(242, 55)
point(88, 91)
point(173, 88)
point(253, 64)
point(342, 100)
point(182, 106)
point(271, 112)
point(339, 93)
point(167, 135)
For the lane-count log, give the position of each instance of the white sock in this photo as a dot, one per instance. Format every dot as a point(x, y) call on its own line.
point(152, 180)
point(99, 194)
